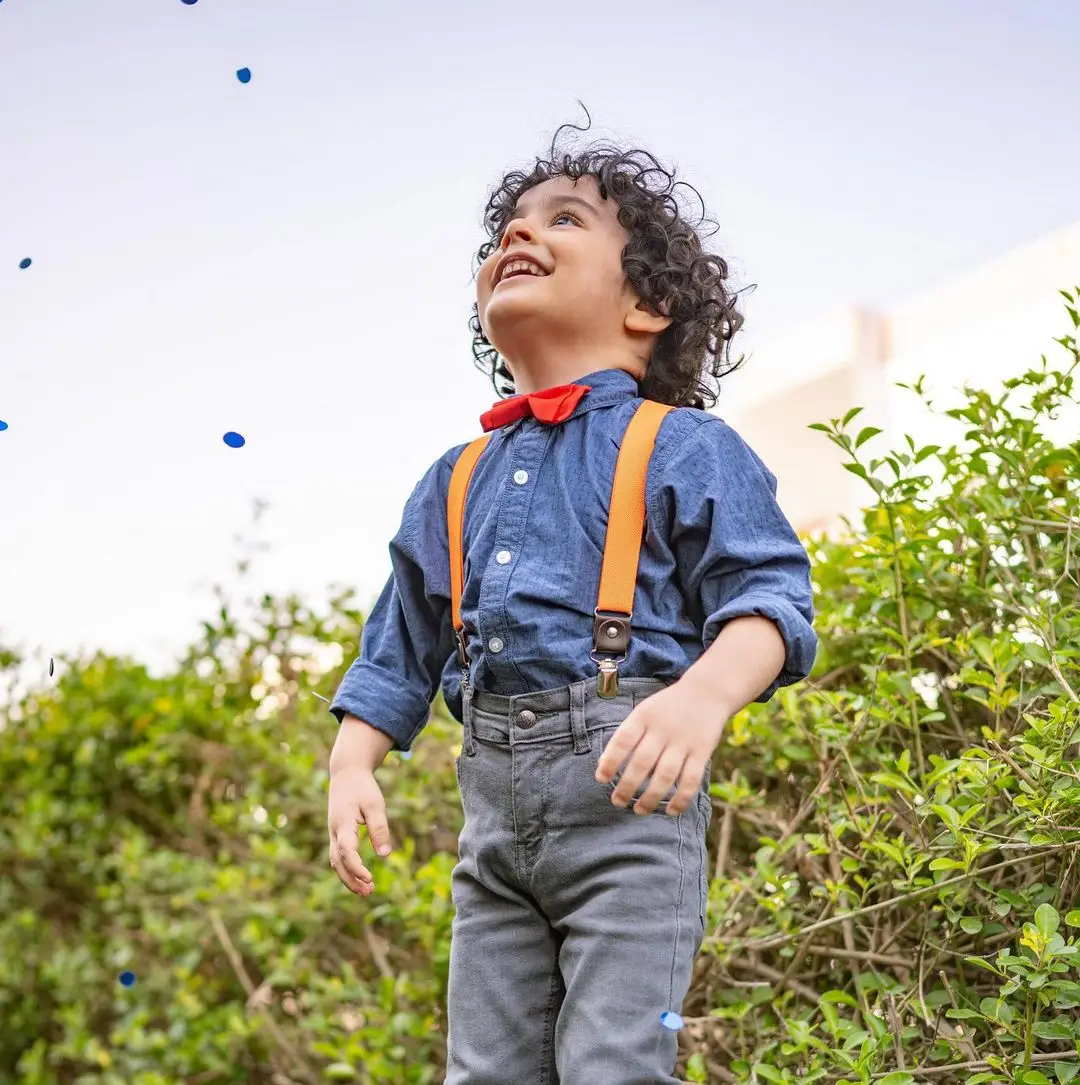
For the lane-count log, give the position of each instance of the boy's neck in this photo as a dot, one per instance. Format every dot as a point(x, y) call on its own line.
point(533, 375)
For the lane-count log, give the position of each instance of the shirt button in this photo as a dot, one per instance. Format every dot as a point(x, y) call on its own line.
point(526, 718)
point(502, 557)
point(496, 645)
point(521, 477)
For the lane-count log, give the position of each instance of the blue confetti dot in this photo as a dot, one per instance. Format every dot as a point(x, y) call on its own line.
point(127, 978)
point(671, 1020)
point(3, 426)
point(244, 75)
point(189, 2)
point(233, 440)
point(24, 264)
point(406, 755)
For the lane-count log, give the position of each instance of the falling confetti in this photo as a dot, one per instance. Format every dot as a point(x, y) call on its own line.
point(189, 2)
point(127, 979)
point(233, 440)
point(3, 426)
point(25, 263)
point(50, 668)
point(671, 1020)
point(244, 75)
point(406, 755)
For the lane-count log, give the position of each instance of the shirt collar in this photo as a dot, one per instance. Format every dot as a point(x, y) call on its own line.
point(609, 387)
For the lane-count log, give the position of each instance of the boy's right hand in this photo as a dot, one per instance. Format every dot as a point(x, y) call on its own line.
point(355, 800)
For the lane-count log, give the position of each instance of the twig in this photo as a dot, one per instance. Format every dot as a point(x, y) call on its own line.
point(773, 940)
point(952, 1067)
point(820, 950)
point(724, 847)
point(378, 953)
point(773, 976)
point(897, 1031)
point(237, 963)
point(968, 1046)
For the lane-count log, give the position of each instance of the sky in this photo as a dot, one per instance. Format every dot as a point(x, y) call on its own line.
point(291, 258)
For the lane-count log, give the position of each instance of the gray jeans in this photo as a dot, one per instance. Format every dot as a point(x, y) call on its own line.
point(577, 922)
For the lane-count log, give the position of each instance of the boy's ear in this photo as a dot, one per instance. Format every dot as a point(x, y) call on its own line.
point(641, 320)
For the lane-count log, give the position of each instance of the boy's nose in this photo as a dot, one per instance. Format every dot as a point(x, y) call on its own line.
point(519, 228)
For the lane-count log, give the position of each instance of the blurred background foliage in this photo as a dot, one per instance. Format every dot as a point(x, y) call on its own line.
point(895, 886)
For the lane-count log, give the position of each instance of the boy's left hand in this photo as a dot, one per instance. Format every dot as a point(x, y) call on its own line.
point(671, 737)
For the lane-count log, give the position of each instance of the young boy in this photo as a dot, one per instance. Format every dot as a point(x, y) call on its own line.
point(580, 894)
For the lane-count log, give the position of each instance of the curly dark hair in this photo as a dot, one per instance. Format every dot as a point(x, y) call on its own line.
point(664, 261)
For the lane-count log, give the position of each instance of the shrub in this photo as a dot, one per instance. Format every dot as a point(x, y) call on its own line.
point(894, 884)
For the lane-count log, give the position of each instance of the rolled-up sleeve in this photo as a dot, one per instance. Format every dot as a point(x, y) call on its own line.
point(736, 553)
point(408, 636)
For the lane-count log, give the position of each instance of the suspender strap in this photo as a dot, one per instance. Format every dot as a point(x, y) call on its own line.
point(455, 519)
point(622, 546)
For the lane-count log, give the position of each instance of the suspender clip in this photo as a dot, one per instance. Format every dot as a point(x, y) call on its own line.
point(611, 637)
point(607, 681)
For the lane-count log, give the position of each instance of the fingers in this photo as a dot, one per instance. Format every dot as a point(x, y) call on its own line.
point(638, 769)
point(690, 782)
point(662, 780)
point(350, 869)
point(621, 746)
point(355, 800)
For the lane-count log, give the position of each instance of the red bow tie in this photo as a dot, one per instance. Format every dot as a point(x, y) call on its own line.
point(551, 405)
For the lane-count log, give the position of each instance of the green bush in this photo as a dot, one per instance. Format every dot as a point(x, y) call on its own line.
point(895, 847)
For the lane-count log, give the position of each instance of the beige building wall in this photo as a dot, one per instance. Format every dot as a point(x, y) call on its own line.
point(978, 328)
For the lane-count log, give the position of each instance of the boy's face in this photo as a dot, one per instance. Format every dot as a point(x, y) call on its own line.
point(580, 300)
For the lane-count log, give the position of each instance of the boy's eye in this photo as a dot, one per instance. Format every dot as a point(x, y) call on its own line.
point(558, 215)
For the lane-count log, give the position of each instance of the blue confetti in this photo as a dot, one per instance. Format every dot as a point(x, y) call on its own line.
point(244, 75)
point(233, 440)
point(406, 755)
point(127, 978)
point(671, 1020)
point(3, 426)
point(24, 264)
point(189, 2)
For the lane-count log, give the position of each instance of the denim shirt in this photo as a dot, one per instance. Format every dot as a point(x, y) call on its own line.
point(716, 547)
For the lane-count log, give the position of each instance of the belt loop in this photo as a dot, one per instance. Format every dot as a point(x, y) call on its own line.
point(468, 746)
point(577, 718)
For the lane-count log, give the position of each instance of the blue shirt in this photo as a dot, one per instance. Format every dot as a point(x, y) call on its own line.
point(716, 547)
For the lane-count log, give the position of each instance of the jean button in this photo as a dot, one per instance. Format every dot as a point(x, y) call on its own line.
point(526, 718)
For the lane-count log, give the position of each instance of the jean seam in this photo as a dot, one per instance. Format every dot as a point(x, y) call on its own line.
point(678, 910)
point(549, 1029)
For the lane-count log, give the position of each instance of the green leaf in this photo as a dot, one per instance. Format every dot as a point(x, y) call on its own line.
point(1072, 919)
point(850, 415)
point(1046, 920)
point(971, 924)
point(340, 1071)
point(769, 1073)
point(1066, 1071)
point(1052, 1030)
point(945, 863)
point(899, 1077)
point(864, 435)
point(980, 963)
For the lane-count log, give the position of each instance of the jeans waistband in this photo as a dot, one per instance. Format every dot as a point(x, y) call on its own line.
point(631, 690)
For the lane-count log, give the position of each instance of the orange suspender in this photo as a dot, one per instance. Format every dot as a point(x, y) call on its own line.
point(455, 522)
point(622, 545)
